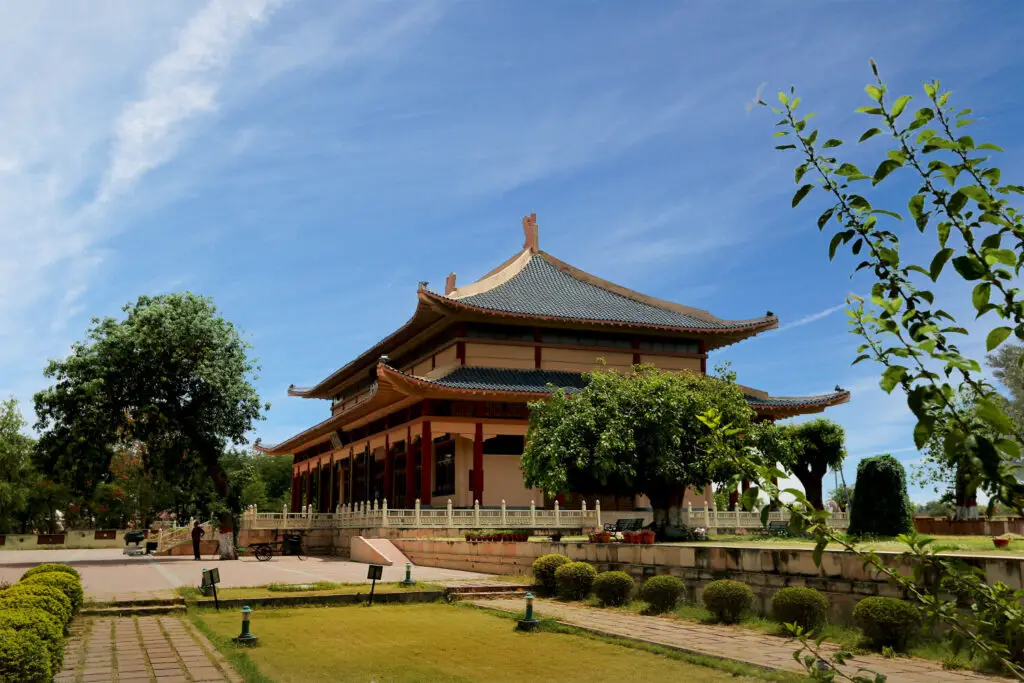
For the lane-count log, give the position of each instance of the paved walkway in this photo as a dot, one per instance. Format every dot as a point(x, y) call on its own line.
point(728, 642)
point(161, 649)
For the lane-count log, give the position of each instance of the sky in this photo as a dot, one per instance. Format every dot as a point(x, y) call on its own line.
point(306, 164)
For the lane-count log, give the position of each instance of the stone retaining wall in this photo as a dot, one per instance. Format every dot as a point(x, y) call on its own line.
point(74, 540)
point(841, 575)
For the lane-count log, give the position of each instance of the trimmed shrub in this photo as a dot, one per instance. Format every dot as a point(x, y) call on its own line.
point(66, 583)
point(23, 657)
point(805, 607)
point(885, 509)
point(613, 588)
point(51, 567)
point(728, 599)
point(47, 598)
point(43, 624)
point(662, 593)
point(887, 621)
point(544, 570)
point(573, 580)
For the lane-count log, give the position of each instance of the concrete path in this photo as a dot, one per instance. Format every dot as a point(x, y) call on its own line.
point(108, 575)
point(727, 642)
point(161, 649)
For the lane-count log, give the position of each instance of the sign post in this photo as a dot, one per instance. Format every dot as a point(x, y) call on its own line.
point(374, 573)
point(211, 577)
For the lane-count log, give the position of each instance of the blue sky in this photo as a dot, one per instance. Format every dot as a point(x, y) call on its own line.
point(306, 164)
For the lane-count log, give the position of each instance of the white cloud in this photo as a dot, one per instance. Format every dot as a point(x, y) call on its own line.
point(807, 319)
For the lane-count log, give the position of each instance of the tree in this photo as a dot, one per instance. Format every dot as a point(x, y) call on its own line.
point(1006, 366)
point(16, 473)
point(935, 508)
point(883, 507)
point(633, 434)
point(807, 450)
point(172, 376)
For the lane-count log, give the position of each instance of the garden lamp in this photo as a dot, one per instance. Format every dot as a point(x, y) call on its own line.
point(529, 623)
point(246, 637)
point(408, 575)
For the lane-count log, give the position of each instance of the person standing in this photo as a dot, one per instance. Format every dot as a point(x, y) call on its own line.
point(197, 535)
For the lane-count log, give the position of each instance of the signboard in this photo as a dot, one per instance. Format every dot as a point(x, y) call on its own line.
point(375, 572)
point(336, 440)
point(211, 577)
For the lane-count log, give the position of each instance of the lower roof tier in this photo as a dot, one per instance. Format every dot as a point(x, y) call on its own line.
point(396, 388)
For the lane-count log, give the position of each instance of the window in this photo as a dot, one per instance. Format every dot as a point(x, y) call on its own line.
point(670, 345)
point(579, 338)
point(500, 332)
point(444, 466)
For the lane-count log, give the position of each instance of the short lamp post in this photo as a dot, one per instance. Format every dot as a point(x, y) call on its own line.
point(407, 581)
point(529, 623)
point(246, 637)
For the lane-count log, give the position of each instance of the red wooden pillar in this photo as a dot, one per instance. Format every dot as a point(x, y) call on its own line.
point(427, 461)
point(478, 463)
point(296, 479)
point(410, 470)
point(734, 499)
point(388, 470)
point(703, 349)
point(330, 490)
point(309, 483)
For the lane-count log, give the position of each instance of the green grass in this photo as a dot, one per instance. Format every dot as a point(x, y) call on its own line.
point(272, 590)
point(438, 642)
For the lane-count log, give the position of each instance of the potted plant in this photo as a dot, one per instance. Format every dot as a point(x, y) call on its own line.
point(647, 537)
point(1000, 541)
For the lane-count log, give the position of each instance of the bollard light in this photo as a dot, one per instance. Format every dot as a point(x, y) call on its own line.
point(529, 623)
point(246, 637)
point(408, 575)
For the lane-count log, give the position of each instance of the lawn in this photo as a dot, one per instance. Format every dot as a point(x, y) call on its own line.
point(975, 545)
point(276, 590)
point(438, 642)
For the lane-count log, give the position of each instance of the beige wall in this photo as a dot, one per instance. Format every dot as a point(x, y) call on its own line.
point(444, 362)
point(577, 360)
point(499, 356)
point(671, 362)
point(503, 480)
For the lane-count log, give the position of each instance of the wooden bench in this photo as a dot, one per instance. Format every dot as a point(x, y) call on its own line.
point(626, 524)
point(778, 527)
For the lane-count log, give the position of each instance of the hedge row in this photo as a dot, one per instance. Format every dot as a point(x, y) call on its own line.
point(34, 618)
point(884, 621)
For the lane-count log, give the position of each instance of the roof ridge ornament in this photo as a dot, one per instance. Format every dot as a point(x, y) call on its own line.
point(532, 233)
point(449, 284)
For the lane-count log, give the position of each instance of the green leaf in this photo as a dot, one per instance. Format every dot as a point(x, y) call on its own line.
point(939, 262)
point(801, 193)
point(899, 105)
point(764, 515)
point(874, 111)
point(818, 550)
point(997, 337)
point(831, 142)
point(799, 172)
point(964, 122)
point(782, 98)
point(847, 170)
point(785, 146)
point(892, 376)
point(891, 214)
point(874, 92)
point(956, 202)
point(823, 218)
point(884, 169)
point(981, 294)
point(923, 431)
point(837, 239)
point(870, 133)
point(943, 232)
point(1007, 257)
point(993, 414)
point(990, 146)
point(969, 267)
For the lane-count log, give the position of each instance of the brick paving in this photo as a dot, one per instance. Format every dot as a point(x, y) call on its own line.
point(133, 650)
point(727, 642)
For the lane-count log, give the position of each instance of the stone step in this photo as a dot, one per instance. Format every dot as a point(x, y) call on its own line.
point(133, 610)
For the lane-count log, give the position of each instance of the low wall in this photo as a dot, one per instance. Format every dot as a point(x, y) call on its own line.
point(943, 526)
point(71, 540)
point(841, 576)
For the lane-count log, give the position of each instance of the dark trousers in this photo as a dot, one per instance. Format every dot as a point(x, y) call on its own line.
point(195, 548)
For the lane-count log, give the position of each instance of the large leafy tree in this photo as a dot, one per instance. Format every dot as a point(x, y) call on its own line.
point(632, 434)
point(172, 376)
point(16, 473)
point(1006, 366)
point(808, 450)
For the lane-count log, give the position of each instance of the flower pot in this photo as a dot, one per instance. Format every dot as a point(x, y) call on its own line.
point(1001, 542)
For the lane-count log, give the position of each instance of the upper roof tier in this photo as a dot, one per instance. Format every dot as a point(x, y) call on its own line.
point(534, 287)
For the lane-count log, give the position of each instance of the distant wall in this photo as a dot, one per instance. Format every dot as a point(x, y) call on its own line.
point(841, 576)
point(71, 540)
point(943, 526)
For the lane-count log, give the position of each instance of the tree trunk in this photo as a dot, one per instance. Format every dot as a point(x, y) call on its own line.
point(226, 524)
point(811, 480)
point(966, 496)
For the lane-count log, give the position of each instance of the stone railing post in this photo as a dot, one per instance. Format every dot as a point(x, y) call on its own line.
point(597, 511)
point(451, 520)
point(533, 514)
point(373, 508)
point(558, 515)
point(384, 512)
point(503, 522)
point(284, 511)
point(476, 513)
point(417, 512)
point(689, 514)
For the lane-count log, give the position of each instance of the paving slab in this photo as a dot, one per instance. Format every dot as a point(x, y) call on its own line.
point(728, 642)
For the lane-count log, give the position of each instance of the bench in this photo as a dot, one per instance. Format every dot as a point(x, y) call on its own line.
point(778, 527)
point(626, 524)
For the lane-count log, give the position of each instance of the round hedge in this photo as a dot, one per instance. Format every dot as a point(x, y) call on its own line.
point(887, 621)
point(573, 580)
point(885, 510)
point(662, 593)
point(66, 583)
point(544, 570)
point(43, 624)
point(47, 598)
point(613, 588)
point(24, 657)
point(728, 599)
point(51, 567)
point(805, 607)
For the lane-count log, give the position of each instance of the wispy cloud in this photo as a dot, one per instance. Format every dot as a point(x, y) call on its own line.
point(808, 319)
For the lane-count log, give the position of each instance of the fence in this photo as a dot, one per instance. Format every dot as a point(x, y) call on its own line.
point(751, 521)
point(363, 516)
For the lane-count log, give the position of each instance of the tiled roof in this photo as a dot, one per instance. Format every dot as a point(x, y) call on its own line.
point(542, 289)
point(537, 381)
